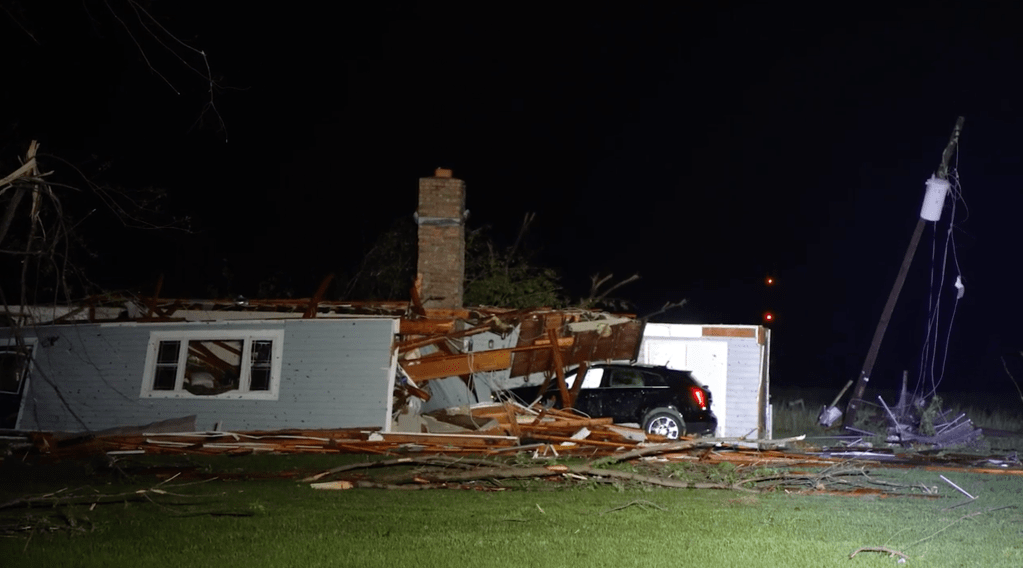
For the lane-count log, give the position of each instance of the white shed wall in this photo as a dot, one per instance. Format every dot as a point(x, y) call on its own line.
point(735, 369)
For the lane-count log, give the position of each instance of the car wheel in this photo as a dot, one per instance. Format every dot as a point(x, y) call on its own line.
point(665, 422)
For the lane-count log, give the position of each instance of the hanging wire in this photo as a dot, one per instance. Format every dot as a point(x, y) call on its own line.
point(951, 247)
point(934, 352)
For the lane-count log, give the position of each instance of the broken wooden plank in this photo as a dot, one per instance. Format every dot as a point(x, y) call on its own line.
point(438, 367)
point(409, 326)
point(429, 368)
point(559, 366)
point(580, 376)
point(549, 438)
point(314, 302)
point(513, 423)
point(462, 440)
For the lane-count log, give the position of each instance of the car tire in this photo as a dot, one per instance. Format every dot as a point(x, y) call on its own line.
point(665, 422)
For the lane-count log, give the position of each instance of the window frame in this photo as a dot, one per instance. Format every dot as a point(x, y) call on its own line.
point(247, 337)
point(27, 347)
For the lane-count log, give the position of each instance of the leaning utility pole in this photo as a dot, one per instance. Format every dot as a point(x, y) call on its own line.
point(937, 189)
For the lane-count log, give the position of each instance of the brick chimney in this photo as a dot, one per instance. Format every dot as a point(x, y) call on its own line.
point(441, 223)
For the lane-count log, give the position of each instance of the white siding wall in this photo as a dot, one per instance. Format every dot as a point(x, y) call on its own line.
point(735, 388)
point(744, 356)
point(334, 374)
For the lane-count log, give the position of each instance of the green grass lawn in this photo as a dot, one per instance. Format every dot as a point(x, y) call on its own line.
point(279, 521)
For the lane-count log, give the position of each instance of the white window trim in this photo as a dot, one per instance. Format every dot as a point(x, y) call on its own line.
point(246, 336)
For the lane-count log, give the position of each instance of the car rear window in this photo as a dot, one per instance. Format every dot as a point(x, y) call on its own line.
point(634, 378)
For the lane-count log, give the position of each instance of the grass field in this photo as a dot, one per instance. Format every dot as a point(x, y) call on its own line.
point(252, 511)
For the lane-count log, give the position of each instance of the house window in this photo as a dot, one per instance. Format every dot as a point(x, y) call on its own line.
point(14, 362)
point(213, 364)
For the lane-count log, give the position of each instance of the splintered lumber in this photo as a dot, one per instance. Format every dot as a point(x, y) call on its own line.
point(559, 366)
point(426, 369)
point(513, 422)
point(439, 367)
point(568, 424)
point(314, 302)
point(333, 485)
point(454, 440)
point(425, 327)
point(575, 441)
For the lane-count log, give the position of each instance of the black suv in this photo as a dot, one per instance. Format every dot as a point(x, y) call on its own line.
point(663, 401)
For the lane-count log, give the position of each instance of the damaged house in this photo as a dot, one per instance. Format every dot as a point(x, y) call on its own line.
point(306, 364)
point(256, 365)
point(265, 366)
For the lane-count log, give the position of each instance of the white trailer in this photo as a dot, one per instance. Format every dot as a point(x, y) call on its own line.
point(733, 360)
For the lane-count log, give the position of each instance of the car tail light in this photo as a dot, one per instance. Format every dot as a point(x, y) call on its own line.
point(699, 396)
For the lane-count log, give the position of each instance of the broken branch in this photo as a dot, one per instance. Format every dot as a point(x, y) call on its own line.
point(639, 502)
point(890, 552)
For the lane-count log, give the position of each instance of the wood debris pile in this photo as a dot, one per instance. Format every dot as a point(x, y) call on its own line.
point(500, 429)
point(494, 474)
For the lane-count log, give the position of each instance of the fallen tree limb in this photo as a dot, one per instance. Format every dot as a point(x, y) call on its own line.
point(599, 474)
point(432, 460)
point(890, 552)
point(647, 451)
point(639, 502)
point(966, 516)
point(69, 498)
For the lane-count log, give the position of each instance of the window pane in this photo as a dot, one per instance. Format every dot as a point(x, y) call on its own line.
point(653, 380)
point(592, 379)
point(626, 378)
point(213, 366)
point(166, 374)
point(168, 352)
point(260, 380)
point(262, 352)
point(165, 378)
point(12, 370)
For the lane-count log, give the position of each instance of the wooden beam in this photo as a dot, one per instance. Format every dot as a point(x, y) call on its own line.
point(417, 300)
point(460, 313)
point(562, 342)
point(425, 326)
point(430, 368)
point(559, 364)
point(513, 421)
point(579, 376)
point(440, 366)
point(413, 344)
point(314, 302)
point(151, 303)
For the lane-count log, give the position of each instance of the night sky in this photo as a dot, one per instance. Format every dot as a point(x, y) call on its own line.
point(703, 148)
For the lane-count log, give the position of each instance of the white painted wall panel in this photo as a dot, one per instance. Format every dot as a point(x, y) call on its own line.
point(733, 367)
point(335, 373)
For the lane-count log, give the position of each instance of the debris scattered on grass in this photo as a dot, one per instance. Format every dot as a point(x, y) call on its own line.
point(959, 489)
point(890, 552)
point(638, 502)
